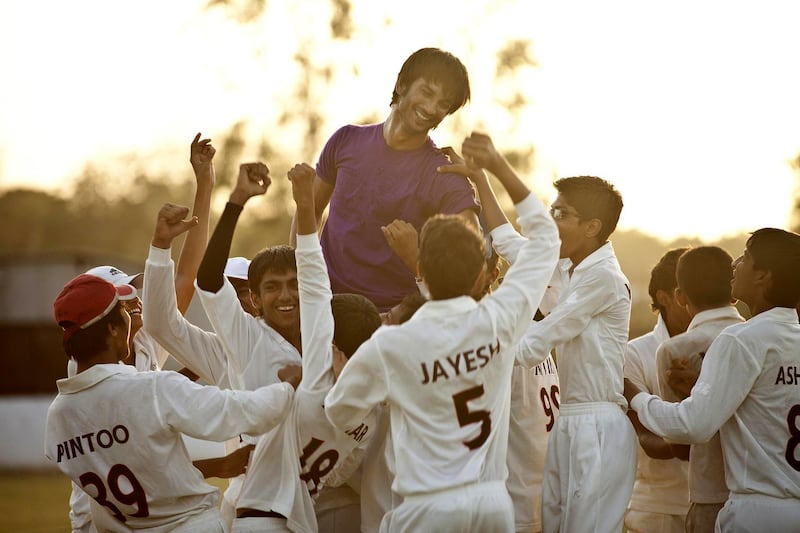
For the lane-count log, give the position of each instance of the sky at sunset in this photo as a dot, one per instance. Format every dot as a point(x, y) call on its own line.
point(690, 108)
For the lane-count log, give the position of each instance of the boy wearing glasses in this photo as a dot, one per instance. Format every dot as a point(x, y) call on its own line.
point(591, 455)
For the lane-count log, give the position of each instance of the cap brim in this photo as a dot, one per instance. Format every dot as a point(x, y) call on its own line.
point(126, 292)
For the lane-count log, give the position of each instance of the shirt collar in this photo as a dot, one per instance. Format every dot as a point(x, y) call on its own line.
point(717, 313)
point(777, 314)
point(92, 376)
point(601, 254)
point(457, 305)
point(660, 331)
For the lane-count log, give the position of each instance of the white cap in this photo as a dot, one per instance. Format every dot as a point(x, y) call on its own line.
point(112, 275)
point(236, 267)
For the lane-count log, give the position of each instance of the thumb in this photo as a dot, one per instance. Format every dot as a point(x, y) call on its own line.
point(186, 225)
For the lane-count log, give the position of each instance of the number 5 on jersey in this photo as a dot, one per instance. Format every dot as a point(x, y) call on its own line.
point(466, 417)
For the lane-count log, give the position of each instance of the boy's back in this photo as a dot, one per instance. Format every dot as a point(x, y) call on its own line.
point(116, 433)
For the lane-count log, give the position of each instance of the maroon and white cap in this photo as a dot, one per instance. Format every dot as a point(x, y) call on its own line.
point(85, 300)
point(113, 275)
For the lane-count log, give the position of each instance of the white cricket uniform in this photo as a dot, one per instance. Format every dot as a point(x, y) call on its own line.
point(129, 455)
point(254, 352)
point(377, 474)
point(749, 391)
point(706, 468)
point(149, 355)
point(446, 374)
point(290, 464)
point(591, 456)
point(660, 496)
point(534, 408)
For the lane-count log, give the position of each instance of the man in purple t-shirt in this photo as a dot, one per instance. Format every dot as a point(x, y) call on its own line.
point(373, 175)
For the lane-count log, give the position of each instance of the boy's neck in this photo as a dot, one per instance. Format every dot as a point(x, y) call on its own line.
point(577, 257)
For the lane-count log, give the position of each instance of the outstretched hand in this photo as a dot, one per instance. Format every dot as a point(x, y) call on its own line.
point(302, 177)
point(403, 240)
point(479, 151)
point(170, 223)
point(201, 153)
point(459, 166)
point(253, 180)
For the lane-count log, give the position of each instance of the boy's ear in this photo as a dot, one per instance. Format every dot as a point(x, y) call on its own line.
point(593, 227)
point(681, 298)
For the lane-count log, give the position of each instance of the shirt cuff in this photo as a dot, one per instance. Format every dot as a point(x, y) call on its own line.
point(638, 401)
point(159, 256)
point(307, 242)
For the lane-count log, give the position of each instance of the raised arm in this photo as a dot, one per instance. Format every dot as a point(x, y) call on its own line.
point(322, 197)
point(254, 180)
point(201, 154)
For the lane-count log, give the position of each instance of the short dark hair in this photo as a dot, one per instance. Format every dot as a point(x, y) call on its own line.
point(86, 343)
point(662, 277)
point(778, 251)
point(276, 259)
point(437, 66)
point(451, 255)
point(408, 306)
point(355, 319)
point(593, 197)
point(704, 274)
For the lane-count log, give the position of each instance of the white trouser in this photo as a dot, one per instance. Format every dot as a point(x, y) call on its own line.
point(479, 507)
point(756, 513)
point(589, 469)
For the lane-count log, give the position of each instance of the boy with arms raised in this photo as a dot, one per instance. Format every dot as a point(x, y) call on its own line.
point(291, 463)
point(748, 391)
point(446, 371)
point(129, 456)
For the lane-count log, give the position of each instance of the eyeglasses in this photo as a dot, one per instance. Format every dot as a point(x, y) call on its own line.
point(560, 213)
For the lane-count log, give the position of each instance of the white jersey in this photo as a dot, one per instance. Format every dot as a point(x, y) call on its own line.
point(149, 355)
point(534, 409)
point(377, 474)
point(446, 373)
point(200, 351)
point(706, 467)
point(254, 350)
point(588, 328)
point(749, 391)
point(662, 485)
point(129, 455)
point(291, 463)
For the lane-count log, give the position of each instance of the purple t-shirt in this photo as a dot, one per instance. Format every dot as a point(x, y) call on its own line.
point(375, 184)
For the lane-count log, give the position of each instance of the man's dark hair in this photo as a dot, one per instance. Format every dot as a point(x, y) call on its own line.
point(437, 66)
point(778, 251)
point(704, 274)
point(355, 318)
point(593, 197)
point(662, 277)
point(451, 255)
point(86, 343)
point(275, 259)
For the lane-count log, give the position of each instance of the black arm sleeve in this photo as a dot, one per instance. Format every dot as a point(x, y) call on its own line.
point(212, 267)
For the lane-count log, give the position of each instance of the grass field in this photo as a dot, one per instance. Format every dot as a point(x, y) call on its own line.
point(38, 502)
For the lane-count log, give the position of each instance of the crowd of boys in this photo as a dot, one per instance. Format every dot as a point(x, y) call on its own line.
point(376, 375)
